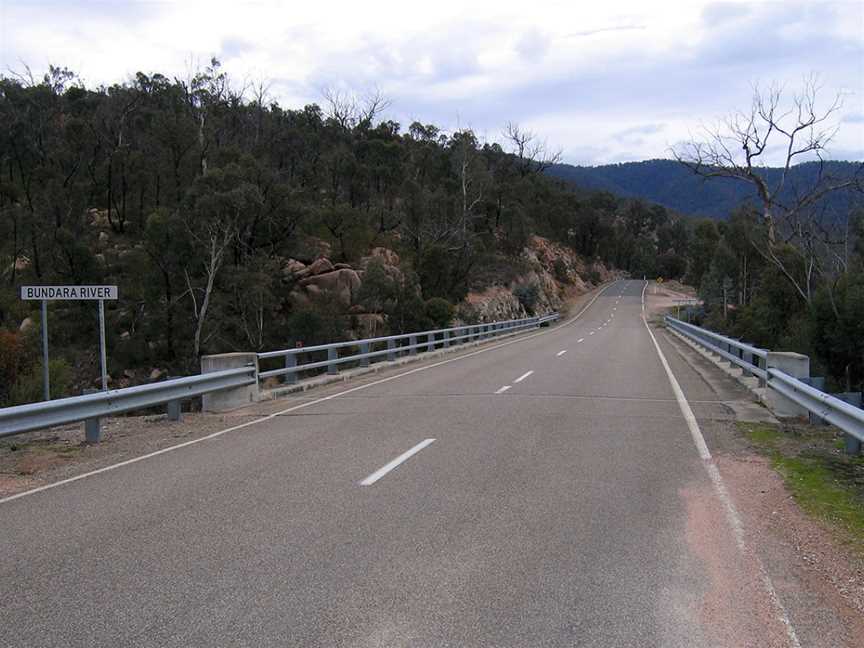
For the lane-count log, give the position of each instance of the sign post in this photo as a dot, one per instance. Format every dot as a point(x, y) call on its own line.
point(46, 380)
point(70, 293)
point(102, 358)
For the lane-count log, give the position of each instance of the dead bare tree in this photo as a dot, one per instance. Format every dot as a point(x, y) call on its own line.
point(533, 154)
point(471, 186)
point(736, 148)
point(350, 110)
point(216, 238)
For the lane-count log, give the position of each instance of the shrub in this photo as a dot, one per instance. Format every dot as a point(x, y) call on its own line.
point(28, 388)
point(316, 325)
point(592, 276)
point(528, 295)
point(560, 269)
point(12, 358)
point(439, 311)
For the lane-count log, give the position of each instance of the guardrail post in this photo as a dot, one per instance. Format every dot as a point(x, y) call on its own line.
point(174, 408)
point(412, 342)
point(796, 365)
point(852, 445)
point(92, 426)
point(748, 357)
point(332, 368)
point(763, 365)
point(430, 346)
point(446, 339)
point(364, 348)
point(290, 363)
point(391, 350)
point(815, 383)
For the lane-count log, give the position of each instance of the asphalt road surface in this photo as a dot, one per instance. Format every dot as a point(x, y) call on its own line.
point(546, 490)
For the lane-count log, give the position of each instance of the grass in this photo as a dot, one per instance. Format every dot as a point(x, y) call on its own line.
point(825, 482)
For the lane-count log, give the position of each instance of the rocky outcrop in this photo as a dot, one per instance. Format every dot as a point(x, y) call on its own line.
point(339, 285)
point(321, 279)
point(556, 274)
point(491, 305)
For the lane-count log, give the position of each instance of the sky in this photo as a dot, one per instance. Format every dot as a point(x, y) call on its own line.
point(602, 82)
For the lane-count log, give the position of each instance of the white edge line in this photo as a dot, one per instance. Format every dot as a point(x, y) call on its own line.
point(378, 474)
point(270, 417)
point(732, 515)
point(523, 376)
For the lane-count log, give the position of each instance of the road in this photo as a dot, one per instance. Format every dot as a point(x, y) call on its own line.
point(555, 496)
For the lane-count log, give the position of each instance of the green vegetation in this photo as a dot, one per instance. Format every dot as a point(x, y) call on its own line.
point(824, 482)
point(201, 203)
point(764, 306)
point(207, 206)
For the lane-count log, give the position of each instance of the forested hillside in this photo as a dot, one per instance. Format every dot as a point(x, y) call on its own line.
point(233, 223)
point(668, 183)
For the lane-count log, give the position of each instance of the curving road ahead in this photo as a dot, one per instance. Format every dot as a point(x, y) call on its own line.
point(547, 490)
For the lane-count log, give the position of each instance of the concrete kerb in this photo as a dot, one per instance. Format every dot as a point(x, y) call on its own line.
point(751, 383)
point(794, 364)
point(229, 399)
point(284, 390)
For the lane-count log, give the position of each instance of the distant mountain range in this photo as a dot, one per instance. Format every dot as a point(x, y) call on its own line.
point(672, 185)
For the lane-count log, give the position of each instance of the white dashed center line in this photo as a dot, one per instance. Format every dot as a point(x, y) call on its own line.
point(523, 376)
point(562, 352)
point(503, 389)
point(378, 474)
point(580, 340)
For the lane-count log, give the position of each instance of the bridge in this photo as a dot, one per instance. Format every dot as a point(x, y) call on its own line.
point(554, 487)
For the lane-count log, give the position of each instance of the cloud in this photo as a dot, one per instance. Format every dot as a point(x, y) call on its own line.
point(645, 129)
point(604, 30)
point(604, 82)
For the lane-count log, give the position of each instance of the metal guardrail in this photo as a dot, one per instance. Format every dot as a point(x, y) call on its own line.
point(395, 345)
point(91, 407)
point(847, 417)
point(750, 358)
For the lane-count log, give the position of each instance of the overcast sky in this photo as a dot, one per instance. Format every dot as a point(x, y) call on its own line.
point(605, 81)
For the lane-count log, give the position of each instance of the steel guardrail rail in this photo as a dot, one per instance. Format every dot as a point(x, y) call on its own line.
point(847, 417)
point(34, 416)
point(420, 340)
point(749, 348)
point(829, 408)
point(704, 337)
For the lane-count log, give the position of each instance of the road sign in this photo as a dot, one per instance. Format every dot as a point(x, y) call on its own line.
point(68, 293)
